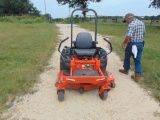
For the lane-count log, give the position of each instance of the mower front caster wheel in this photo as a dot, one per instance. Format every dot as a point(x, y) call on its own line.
point(60, 95)
point(104, 95)
point(81, 90)
point(113, 85)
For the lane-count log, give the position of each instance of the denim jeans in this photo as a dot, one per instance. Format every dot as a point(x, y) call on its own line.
point(137, 60)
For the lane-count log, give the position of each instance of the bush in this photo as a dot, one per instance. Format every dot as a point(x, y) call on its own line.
point(27, 19)
point(68, 20)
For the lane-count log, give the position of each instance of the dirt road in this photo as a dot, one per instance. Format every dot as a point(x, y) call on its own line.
point(128, 101)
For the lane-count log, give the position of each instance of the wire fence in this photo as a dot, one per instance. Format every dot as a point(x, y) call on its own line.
point(119, 19)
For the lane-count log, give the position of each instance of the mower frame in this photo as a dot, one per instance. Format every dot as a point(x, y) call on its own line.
point(77, 77)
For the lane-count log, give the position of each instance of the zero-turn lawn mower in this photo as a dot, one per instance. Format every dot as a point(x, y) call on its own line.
point(83, 65)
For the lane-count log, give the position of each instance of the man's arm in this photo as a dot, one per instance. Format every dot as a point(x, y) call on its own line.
point(126, 40)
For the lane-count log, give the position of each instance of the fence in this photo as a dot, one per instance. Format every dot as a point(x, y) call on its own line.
point(119, 19)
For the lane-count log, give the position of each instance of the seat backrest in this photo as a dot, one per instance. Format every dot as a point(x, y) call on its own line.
point(84, 41)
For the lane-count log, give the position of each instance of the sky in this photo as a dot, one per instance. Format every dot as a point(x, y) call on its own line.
point(104, 8)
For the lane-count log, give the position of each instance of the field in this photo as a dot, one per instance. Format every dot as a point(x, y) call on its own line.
point(24, 51)
point(151, 56)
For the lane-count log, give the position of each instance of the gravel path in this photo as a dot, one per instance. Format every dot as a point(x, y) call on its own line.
point(128, 101)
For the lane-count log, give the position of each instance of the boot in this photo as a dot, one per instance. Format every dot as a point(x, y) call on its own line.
point(124, 71)
point(136, 77)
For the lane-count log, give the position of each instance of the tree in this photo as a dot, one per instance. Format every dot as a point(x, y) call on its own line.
point(155, 4)
point(77, 3)
point(48, 16)
point(17, 7)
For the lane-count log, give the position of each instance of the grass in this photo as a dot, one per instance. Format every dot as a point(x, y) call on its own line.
point(151, 56)
point(24, 51)
point(27, 19)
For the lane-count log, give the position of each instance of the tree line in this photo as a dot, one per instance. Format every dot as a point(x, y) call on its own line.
point(20, 7)
point(85, 3)
point(17, 7)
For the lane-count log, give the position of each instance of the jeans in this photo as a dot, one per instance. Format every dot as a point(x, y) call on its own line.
point(137, 60)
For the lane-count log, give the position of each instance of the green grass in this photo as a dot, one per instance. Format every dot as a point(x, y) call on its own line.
point(24, 51)
point(151, 54)
point(27, 19)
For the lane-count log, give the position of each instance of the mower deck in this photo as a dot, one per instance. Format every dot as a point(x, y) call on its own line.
point(86, 73)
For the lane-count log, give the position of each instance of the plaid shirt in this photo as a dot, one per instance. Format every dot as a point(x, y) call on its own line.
point(136, 29)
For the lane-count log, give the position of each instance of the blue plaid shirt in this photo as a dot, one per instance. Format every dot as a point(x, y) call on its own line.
point(136, 29)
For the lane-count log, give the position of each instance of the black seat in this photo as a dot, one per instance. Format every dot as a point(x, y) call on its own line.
point(84, 40)
point(84, 44)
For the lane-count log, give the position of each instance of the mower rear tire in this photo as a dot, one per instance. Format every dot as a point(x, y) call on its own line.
point(61, 66)
point(60, 95)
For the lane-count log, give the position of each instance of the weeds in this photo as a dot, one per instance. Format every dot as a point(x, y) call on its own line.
point(27, 19)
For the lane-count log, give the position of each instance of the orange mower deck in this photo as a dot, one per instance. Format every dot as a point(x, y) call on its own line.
point(82, 82)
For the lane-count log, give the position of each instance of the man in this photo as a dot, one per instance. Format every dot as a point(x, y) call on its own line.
point(134, 44)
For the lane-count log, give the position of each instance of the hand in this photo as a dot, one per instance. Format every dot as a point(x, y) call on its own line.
point(123, 45)
point(126, 40)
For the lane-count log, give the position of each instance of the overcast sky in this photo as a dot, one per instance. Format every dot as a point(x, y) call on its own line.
point(105, 8)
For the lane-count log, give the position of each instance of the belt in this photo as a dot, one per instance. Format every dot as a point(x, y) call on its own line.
point(135, 42)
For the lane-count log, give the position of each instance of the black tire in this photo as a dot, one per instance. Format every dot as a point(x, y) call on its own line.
point(81, 90)
point(104, 95)
point(61, 66)
point(113, 85)
point(60, 95)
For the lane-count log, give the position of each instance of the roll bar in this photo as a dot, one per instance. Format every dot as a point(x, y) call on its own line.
point(96, 21)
